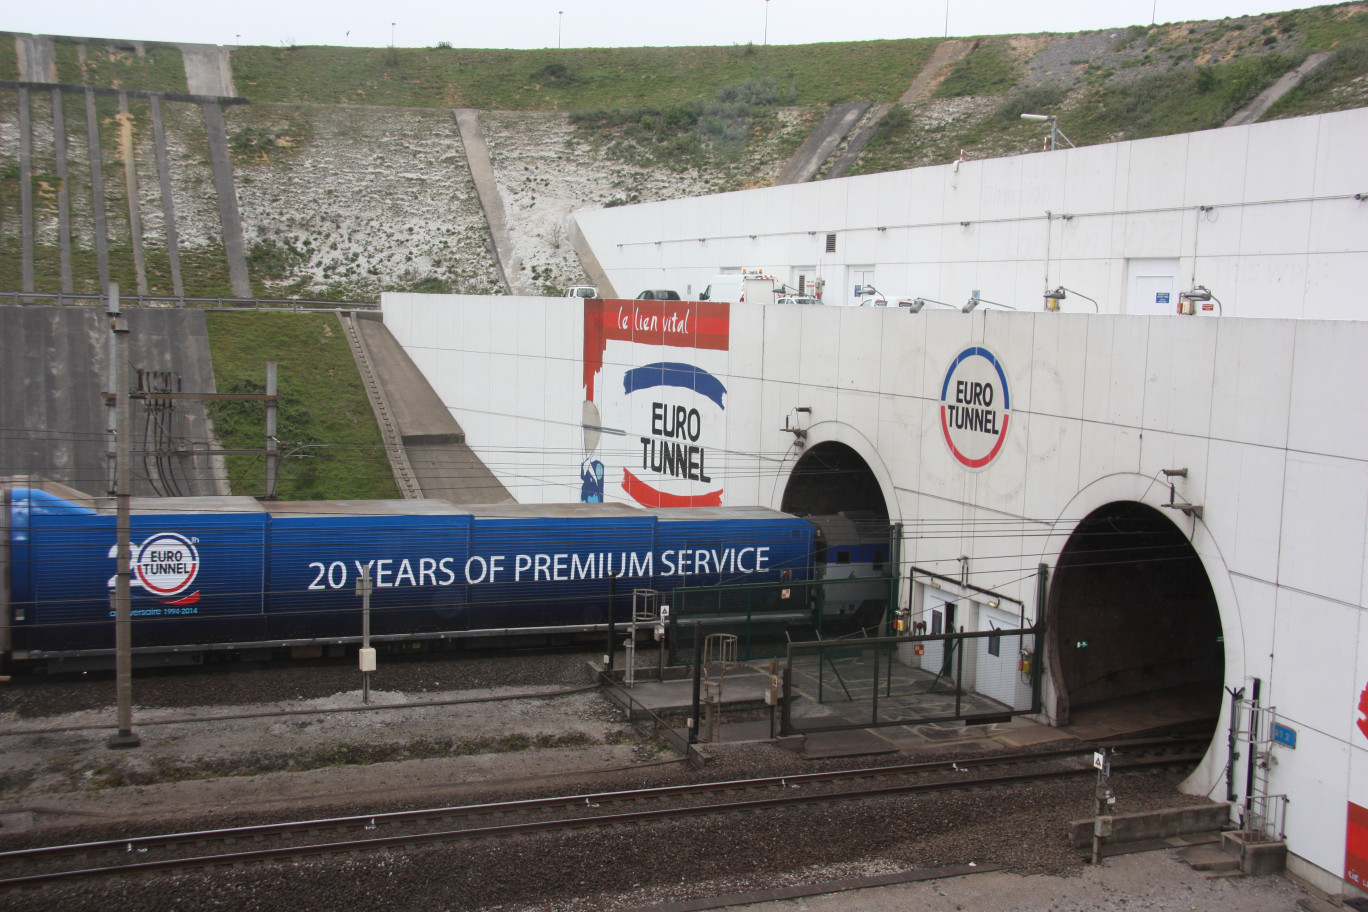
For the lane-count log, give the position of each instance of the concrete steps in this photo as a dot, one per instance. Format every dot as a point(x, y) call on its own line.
point(1236, 855)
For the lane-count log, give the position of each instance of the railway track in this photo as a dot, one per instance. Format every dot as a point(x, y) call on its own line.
point(177, 852)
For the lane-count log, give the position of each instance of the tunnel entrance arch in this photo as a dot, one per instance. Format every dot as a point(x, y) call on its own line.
point(1134, 623)
point(832, 478)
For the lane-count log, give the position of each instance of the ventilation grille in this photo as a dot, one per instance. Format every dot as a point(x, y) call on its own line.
point(831, 243)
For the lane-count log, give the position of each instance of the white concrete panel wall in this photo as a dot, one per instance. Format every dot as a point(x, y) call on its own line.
point(1263, 215)
point(1264, 416)
point(1268, 417)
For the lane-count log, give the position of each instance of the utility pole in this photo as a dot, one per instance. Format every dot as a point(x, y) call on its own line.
point(366, 657)
point(123, 654)
point(272, 444)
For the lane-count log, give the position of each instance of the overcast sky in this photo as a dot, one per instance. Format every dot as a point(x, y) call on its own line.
point(591, 23)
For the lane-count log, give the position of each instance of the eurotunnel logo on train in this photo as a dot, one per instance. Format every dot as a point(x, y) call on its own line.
point(975, 406)
point(165, 565)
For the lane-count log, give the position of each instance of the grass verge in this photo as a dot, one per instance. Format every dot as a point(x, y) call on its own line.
point(331, 446)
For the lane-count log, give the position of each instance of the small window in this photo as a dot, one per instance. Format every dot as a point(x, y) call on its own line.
point(937, 622)
point(831, 243)
point(878, 561)
point(995, 644)
point(842, 557)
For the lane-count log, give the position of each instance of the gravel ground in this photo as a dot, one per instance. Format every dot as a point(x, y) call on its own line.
point(38, 696)
point(1021, 829)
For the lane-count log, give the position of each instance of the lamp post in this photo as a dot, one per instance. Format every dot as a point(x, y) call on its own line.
point(392, 24)
point(560, 17)
point(766, 41)
point(1055, 295)
point(1056, 134)
point(975, 301)
point(916, 304)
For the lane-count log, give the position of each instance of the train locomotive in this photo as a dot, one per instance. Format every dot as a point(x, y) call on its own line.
point(231, 576)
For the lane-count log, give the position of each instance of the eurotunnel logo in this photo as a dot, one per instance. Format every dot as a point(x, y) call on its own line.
point(660, 438)
point(686, 406)
point(165, 565)
point(976, 407)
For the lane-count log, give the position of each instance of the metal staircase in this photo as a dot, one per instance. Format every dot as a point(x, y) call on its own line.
point(404, 476)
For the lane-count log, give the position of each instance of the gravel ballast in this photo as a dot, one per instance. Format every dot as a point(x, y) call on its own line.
point(200, 774)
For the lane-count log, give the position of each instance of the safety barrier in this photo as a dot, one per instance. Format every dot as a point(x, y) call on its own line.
point(862, 682)
point(84, 300)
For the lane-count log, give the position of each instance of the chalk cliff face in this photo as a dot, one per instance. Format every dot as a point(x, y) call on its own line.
point(342, 201)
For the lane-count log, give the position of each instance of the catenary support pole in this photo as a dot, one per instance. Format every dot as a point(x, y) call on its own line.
point(697, 682)
point(272, 445)
point(123, 634)
point(612, 622)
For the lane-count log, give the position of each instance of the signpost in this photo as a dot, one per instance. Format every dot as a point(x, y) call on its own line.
point(366, 657)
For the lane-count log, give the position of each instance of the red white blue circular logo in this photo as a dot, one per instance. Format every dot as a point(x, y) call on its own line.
point(976, 407)
point(166, 564)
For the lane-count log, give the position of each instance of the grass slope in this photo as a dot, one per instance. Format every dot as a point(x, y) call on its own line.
point(331, 446)
point(574, 79)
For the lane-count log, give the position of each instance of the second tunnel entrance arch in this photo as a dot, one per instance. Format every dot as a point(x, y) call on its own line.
point(1133, 618)
point(832, 478)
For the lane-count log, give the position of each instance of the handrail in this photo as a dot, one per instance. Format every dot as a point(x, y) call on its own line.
point(222, 303)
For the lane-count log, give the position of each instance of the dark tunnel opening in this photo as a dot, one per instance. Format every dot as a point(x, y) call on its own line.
point(1134, 620)
point(832, 478)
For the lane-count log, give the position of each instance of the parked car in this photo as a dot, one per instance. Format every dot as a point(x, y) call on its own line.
point(798, 299)
point(581, 291)
point(658, 294)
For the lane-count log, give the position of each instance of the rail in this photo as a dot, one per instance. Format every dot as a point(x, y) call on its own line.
point(369, 832)
point(69, 299)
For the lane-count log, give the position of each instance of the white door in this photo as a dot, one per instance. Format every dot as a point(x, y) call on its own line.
point(860, 276)
point(1152, 288)
point(998, 658)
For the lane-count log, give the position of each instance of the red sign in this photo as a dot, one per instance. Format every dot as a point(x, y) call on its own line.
point(1356, 846)
point(676, 324)
point(1363, 710)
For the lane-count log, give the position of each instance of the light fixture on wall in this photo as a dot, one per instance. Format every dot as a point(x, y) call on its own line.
point(1199, 294)
point(872, 297)
point(916, 304)
point(975, 301)
point(1056, 134)
point(1053, 297)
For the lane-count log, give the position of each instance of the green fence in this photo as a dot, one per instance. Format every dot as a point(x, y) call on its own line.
point(856, 682)
point(767, 617)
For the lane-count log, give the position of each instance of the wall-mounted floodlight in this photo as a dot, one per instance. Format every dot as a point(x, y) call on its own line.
point(975, 301)
point(872, 297)
point(1056, 134)
point(916, 304)
point(1054, 296)
point(1199, 293)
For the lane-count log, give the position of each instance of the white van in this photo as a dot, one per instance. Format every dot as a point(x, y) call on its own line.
point(723, 288)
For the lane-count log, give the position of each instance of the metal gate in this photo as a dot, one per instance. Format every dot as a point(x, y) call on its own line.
point(857, 682)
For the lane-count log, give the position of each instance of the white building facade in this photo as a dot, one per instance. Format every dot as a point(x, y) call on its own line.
point(1000, 440)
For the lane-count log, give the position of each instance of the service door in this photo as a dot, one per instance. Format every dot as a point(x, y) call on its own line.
point(1152, 287)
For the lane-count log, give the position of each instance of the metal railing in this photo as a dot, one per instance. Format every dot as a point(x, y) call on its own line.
point(68, 299)
point(864, 682)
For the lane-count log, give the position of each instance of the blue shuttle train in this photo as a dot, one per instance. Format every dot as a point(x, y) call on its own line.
point(220, 574)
